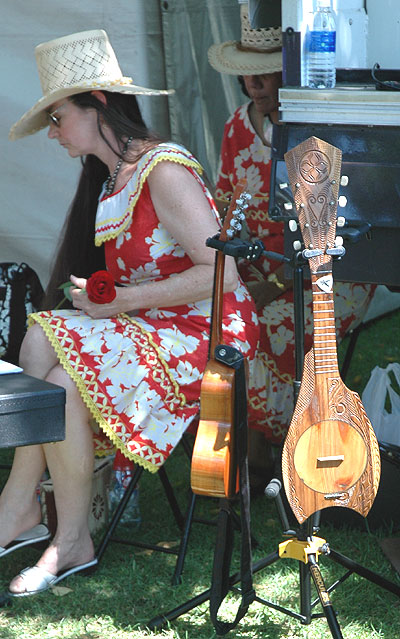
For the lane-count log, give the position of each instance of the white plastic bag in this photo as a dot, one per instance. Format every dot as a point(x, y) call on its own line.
point(385, 424)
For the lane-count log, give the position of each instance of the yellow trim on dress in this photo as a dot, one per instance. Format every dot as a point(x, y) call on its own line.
point(86, 397)
point(146, 165)
point(174, 383)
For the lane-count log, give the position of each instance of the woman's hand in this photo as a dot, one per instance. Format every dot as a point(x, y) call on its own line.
point(81, 301)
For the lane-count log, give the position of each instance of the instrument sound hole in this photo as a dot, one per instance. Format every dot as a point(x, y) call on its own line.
point(330, 456)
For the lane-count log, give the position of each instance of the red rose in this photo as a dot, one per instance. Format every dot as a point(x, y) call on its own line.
point(100, 288)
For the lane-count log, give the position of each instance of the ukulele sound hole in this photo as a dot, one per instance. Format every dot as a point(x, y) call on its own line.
point(330, 456)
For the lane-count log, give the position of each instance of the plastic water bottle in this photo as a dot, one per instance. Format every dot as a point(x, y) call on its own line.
point(120, 481)
point(321, 48)
point(131, 514)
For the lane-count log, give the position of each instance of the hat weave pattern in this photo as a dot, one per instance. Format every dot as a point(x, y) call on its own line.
point(262, 40)
point(74, 62)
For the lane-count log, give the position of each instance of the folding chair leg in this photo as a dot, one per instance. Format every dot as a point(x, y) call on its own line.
point(171, 497)
point(177, 577)
point(119, 511)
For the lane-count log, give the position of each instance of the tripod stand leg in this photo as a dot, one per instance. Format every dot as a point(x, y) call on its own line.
point(364, 572)
point(161, 619)
point(324, 598)
point(305, 592)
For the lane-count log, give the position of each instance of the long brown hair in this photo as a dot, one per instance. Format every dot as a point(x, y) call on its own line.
point(76, 251)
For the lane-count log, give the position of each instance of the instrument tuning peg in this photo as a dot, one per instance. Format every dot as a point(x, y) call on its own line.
point(344, 180)
point(283, 185)
point(341, 221)
point(342, 201)
point(297, 245)
point(293, 225)
point(338, 241)
point(288, 206)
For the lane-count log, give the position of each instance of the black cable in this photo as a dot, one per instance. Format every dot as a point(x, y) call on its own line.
point(384, 85)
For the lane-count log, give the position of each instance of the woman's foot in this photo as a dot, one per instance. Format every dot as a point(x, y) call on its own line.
point(59, 557)
point(15, 523)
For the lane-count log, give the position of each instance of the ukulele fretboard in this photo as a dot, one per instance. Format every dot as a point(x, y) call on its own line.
point(325, 351)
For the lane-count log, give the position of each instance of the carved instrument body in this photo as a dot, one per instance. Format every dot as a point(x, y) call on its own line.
point(214, 468)
point(331, 454)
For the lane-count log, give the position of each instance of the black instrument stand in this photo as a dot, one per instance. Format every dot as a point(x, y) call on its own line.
point(301, 545)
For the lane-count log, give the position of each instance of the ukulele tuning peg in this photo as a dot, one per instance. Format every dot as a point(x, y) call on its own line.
point(246, 196)
point(288, 206)
point(235, 224)
point(283, 185)
point(342, 201)
point(230, 234)
point(293, 225)
point(341, 221)
point(338, 241)
point(242, 202)
point(344, 180)
point(297, 245)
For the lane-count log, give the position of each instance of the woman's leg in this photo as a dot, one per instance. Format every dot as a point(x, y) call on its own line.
point(19, 507)
point(70, 463)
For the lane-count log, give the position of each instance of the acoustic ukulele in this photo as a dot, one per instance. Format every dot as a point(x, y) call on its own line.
point(331, 454)
point(214, 468)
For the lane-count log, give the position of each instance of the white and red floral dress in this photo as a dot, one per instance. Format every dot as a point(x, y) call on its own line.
point(271, 404)
point(140, 376)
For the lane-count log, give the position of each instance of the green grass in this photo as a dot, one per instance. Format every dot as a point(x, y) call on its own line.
point(132, 585)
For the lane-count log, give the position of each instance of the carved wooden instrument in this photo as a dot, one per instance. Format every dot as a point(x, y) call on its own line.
point(213, 468)
point(331, 454)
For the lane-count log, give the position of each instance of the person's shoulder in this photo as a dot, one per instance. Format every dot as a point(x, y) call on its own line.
point(168, 151)
point(167, 157)
point(240, 113)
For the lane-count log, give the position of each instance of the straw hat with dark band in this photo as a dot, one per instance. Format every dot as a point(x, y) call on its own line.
point(75, 64)
point(259, 50)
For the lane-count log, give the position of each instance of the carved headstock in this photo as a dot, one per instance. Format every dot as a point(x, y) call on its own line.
point(314, 174)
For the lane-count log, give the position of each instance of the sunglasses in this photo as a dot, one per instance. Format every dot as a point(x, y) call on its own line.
point(53, 118)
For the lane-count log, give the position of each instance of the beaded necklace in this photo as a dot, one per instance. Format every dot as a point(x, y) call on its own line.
point(112, 178)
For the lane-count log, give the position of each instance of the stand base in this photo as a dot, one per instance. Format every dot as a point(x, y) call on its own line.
point(308, 567)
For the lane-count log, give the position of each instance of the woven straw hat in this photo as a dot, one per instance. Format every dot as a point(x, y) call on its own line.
point(73, 64)
point(259, 50)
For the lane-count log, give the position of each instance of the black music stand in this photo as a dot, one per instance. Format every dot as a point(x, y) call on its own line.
point(301, 545)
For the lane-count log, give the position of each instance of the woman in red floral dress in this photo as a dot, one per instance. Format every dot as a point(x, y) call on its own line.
point(133, 365)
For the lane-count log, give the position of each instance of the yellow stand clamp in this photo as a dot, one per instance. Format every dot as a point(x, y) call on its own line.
point(296, 549)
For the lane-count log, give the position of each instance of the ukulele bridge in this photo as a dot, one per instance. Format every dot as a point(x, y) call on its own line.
point(332, 461)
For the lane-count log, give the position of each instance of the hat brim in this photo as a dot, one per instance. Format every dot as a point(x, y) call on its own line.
point(228, 58)
point(36, 118)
